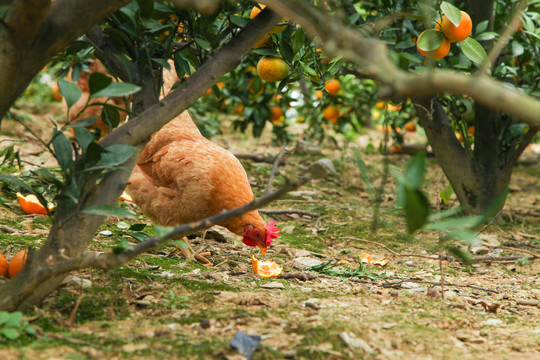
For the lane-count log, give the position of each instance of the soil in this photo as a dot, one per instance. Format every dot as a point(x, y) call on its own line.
point(161, 305)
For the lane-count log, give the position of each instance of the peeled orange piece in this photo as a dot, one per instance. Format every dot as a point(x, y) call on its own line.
point(3, 266)
point(265, 269)
point(31, 205)
point(17, 263)
point(125, 197)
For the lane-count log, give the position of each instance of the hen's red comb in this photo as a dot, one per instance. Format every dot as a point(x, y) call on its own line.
point(271, 232)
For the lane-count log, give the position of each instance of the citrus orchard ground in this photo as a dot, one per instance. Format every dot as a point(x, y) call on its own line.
point(161, 306)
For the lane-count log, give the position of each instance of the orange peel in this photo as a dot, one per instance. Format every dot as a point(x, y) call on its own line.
point(31, 205)
point(265, 269)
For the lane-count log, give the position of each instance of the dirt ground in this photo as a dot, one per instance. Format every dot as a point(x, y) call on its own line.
point(162, 306)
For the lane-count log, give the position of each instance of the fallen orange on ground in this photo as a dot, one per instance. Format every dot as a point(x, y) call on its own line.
point(265, 269)
point(31, 205)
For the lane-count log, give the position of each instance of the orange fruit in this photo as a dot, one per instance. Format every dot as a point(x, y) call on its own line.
point(17, 263)
point(470, 131)
point(55, 93)
point(318, 94)
point(380, 105)
point(459, 136)
point(239, 109)
point(275, 114)
point(391, 107)
point(257, 9)
point(3, 266)
point(439, 52)
point(396, 149)
point(31, 205)
point(265, 269)
point(410, 127)
point(332, 86)
point(272, 68)
point(455, 33)
point(331, 113)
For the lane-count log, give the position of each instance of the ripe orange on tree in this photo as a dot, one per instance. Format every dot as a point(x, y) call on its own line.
point(455, 33)
point(331, 113)
point(332, 86)
point(17, 263)
point(272, 68)
point(396, 149)
point(3, 266)
point(410, 127)
point(439, 52)
point(470, 131)
point(265, 269)
point(275, 114)
point(55, 93)
point(31, 205)
point(318, 94)
point(257, 9)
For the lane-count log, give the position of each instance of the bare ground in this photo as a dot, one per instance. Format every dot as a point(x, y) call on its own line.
point(162, 306)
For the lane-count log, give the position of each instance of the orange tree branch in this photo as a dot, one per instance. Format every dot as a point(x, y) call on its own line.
point(372, 57)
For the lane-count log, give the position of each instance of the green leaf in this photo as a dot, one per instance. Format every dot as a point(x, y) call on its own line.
point(452, 13)
point(15, 319)
point(205, 44)
point(361, 165)
point(137, 227)
point(473, 50)
point(98, 82)
point(454, 224)
point(116, 155)
point(145, 7)
point(161, 231)
point(467, 236)
point(286, 51)
point(430, 40)
point(10, 179)
point(116, 89)
point(110, 116)
point(30, 330)
point(10, 333)
point(298, 41)
point(62, 150)
point(416, 209)
point(108, 210)
point(463, 255)
point(123, 246)
point(71, 92)
point(4, 317)
point(84, 123)
point(416, 169)
point(446, 194)
point(517, 48)
point(481, 27)
point(84, 137)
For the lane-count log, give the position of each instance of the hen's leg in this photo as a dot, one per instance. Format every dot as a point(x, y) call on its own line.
point(190, 254)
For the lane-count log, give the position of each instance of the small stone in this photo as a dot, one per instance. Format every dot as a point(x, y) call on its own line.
point(306, 261)
point(273, 285)
point(85, 283)
point(205, 323)
point(389, 326)
point(105, 233)
point(492, 322)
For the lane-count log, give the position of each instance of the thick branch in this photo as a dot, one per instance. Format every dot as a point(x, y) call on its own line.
point(25, 17)
point(372, 56)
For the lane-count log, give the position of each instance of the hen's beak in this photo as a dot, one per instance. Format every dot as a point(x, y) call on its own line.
point(262, 248)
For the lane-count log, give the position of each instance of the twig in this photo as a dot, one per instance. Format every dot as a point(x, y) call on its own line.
point(503, 39)
point(257, 158)
point(491, 221)
point(519, 250)
point(73, 313)
point(277, 160)
point(288, 211)
point(488, 259)
point(436, 283)
point(432, 257)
